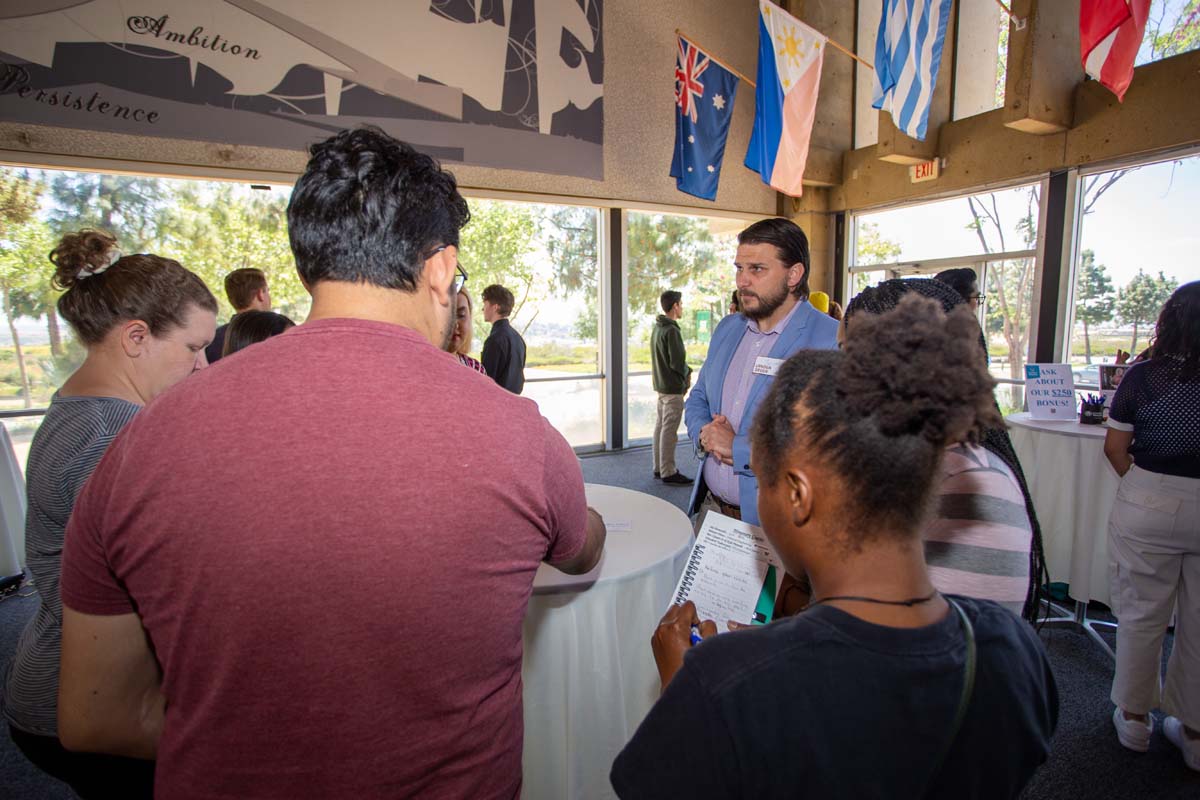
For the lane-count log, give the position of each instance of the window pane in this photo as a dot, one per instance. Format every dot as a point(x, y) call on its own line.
point(643, 408)
point(211, 227)
point(546, 255)
point(1173, 27)
point(1001, 221)
point(1121, 281)
point(1008, 315)
point(691, 255)
point(1010, 397)
point(981, 57)
point(20, 432)
point(574, 407)
point(861, 280)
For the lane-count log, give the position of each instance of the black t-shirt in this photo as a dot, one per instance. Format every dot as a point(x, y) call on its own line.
point(503, 356)
point(826, 705)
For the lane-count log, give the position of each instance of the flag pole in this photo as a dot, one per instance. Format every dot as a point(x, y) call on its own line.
point(837, 46)
point(828, 41)
point(692, 41)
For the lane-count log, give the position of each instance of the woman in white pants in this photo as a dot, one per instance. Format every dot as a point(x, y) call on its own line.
point(1153, 442)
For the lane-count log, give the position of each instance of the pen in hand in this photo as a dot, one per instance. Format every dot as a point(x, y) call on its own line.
point(696, 638)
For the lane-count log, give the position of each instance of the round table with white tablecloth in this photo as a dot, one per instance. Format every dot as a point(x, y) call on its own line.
point(589, 675)
point(1072, 485)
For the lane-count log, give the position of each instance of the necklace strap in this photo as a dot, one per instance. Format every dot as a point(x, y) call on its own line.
point(910, 602)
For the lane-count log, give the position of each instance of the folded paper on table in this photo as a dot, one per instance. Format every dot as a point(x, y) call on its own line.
point(733, 573)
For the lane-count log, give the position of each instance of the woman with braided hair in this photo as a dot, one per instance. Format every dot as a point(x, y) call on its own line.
point(883, 686)
point(985, 540)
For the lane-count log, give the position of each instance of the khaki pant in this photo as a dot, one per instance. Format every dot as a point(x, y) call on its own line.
point(1154, 564)
point(666, 433)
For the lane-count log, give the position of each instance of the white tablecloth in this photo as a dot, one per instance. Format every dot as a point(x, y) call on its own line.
point(12, 509)
point(589, 675)
point(1072, 485)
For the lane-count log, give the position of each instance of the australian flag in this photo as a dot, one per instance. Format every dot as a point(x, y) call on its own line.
point(704, 93)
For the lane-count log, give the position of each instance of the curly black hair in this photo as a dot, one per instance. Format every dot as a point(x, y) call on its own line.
point(1177, 333)
point(882, 298)
point(370, 209)
point(881, 412)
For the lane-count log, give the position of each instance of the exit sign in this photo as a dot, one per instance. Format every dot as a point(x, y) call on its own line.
point(926, 171)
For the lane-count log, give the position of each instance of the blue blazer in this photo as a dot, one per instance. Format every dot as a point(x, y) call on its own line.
point(808, 329)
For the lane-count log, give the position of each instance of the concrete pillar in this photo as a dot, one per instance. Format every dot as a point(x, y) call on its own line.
point(1043, 66)
point(811, 213)
point(976, 54)
point(896, 147)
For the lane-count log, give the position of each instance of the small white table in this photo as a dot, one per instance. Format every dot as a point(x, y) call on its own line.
point(1072, 486)
point(589, 674)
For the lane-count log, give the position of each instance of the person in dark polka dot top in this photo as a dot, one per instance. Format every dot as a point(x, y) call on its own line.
point(1153, 443)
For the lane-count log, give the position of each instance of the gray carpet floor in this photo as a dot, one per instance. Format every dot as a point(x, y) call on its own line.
point(1085, 762)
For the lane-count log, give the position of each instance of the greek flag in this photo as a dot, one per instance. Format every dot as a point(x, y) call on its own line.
point(908, 52)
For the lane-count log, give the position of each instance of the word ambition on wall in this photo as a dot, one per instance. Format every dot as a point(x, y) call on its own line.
point(198, 37)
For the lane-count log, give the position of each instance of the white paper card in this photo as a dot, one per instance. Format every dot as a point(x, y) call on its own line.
point(765, 365)
point(733, 573)
point(618, 525)
point(1050, 392)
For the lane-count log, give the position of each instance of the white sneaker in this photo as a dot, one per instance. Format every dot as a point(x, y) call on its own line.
point(1190, 748)
point(1132, 734)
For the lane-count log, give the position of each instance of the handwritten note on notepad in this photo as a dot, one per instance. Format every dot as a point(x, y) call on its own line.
point(733, 573)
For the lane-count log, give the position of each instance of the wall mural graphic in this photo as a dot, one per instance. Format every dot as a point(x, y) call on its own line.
point(515, 84)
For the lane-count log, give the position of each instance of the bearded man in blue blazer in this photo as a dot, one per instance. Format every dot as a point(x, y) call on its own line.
point(746, 351)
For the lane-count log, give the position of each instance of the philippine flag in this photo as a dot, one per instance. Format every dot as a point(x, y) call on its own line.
point(789, 74)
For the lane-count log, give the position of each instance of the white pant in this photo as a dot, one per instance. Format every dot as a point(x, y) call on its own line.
point(1154, 564)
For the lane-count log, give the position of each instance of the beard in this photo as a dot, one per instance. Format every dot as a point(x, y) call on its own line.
point(767, 303)
point(448, 327)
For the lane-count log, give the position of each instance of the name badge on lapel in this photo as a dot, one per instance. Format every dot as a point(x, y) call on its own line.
point(764, 365)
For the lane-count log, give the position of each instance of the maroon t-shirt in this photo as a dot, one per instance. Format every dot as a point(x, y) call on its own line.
point(330, 538)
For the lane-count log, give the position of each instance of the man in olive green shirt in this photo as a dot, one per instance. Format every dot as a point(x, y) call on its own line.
point(672, 377)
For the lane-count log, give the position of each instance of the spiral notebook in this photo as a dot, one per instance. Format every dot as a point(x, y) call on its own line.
point(732, 573)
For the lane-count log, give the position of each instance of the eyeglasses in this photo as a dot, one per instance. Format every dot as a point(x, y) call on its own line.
point(979, 298)
point(460, 278)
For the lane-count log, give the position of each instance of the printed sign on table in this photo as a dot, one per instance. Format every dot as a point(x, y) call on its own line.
point(1050, 391)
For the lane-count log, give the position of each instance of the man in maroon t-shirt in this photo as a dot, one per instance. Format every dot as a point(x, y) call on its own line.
point(304, 573)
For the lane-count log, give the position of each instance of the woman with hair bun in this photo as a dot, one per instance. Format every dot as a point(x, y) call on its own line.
point(460, 337)
point(882, 687)
point(145, 322)
point(1153, 443)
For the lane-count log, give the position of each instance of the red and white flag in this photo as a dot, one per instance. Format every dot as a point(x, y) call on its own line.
point(1110, 34)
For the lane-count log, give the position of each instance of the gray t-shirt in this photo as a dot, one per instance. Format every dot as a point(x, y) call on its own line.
point(65, 451)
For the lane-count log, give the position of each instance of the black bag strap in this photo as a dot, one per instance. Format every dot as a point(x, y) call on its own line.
point(964, 699)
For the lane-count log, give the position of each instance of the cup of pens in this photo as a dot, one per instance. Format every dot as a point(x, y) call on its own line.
point(1091, 409)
